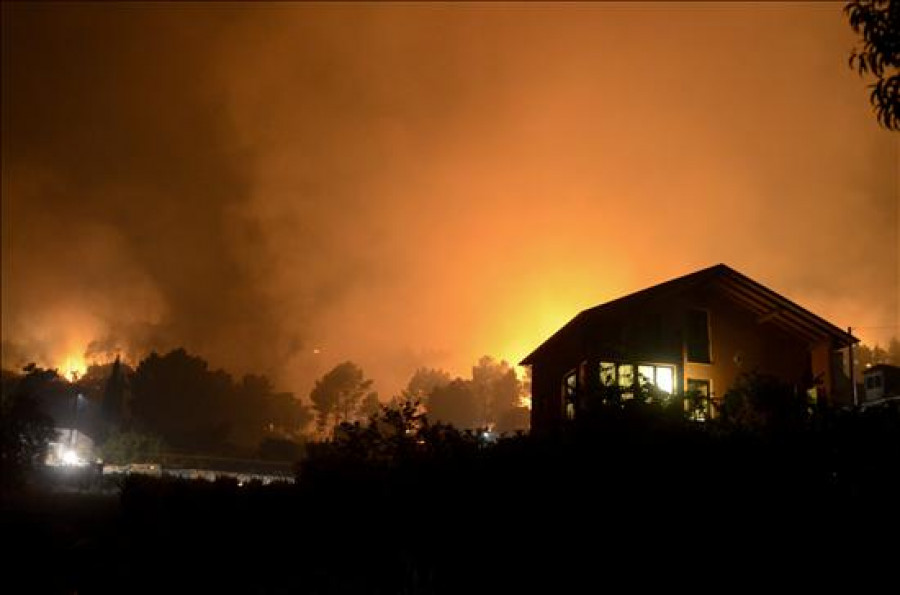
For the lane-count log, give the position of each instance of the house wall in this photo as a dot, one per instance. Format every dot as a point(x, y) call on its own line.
point(653, 331)
point(547, 406)
point(740, 343)
point(546, 397)
point(822, 364)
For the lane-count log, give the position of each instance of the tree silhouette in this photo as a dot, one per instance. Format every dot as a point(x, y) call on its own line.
point(191, 407)
point(456, 404)
point(496, 387)
point(893, 351)
point(423, 382)
point(370, 405)
point(93, 385)
point(114, 397)
point(865, 357)
point(25, 429)
point(338, 394)
point(878, 22)
point(177, 397)
point(259, 413)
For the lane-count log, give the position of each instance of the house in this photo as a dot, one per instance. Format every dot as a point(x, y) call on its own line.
point(695, 334)
point(882, 382)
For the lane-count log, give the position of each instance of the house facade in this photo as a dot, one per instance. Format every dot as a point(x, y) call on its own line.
point(881, 381)
point(695, 334)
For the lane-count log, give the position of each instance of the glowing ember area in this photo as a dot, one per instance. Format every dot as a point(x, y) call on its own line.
point(72, 367)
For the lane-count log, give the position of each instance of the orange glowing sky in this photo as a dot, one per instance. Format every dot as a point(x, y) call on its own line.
point(283, 187)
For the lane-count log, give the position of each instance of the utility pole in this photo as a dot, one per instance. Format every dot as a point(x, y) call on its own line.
point(852, 364)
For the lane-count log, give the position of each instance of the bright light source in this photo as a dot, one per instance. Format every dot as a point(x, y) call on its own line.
point(73, 367)
point(665, 379)
point(70, 457)
point(488, 436)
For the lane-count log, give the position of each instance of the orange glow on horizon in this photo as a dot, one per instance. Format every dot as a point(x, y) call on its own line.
point(531, 315)
point(403, 200)
point(73, 367)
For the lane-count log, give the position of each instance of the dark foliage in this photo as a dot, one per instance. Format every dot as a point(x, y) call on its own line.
point(114, 396)
point(490, 398)
point(25, 429)
point(280, 449)
point(456, 403)
point(177, 397)
point(878, 23)
point(337, 396)
point(629, 493)
point(760, 403)
point(423, 382)
point(122, 448)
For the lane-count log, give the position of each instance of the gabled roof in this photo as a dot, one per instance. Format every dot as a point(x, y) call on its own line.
point(765, 303)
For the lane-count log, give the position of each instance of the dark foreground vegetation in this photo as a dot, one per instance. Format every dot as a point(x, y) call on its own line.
point(629, 494)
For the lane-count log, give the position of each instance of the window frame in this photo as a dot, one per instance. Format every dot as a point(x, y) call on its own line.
point(688, 337)
point(708, 401)
point(569, 393)
point(604, 367)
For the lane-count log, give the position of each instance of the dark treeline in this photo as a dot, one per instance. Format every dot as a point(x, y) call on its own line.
point(629, 491)
point(194, 408)
point(865, 356)
point(401, 502)
point(168, 403)
point(176, 404)
point(491, 399)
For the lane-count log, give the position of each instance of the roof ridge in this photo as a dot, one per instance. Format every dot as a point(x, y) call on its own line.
point(720, 270)
point(708, 271)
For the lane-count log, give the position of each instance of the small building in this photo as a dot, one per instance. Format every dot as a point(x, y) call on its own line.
point(882, 381)
point(694, 334)
point(70, 447)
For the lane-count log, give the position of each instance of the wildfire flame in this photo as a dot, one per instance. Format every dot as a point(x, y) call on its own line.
point(72, 367)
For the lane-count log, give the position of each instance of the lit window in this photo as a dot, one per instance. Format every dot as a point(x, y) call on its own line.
point(697, 403)
point(665, 379)
point(812, 396)
point(607, 373)
point(646, 375)
point(569, 387)
point(626, 379)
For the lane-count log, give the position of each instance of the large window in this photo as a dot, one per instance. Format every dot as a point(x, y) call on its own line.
point(661, 377)
point(697, 336)
point(697, 402)
point(646, 375)
point(665, 379)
